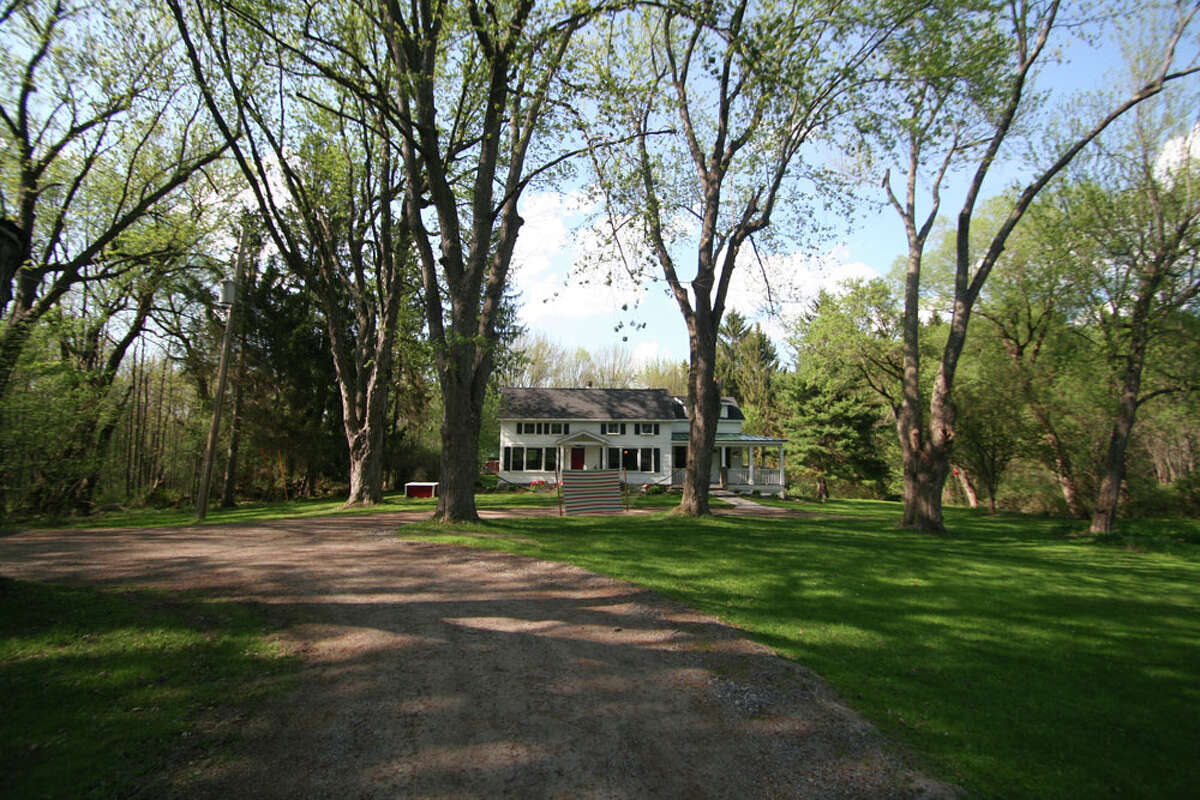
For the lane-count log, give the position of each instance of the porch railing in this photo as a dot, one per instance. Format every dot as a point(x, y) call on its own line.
point(767, 477)
point(735, 476)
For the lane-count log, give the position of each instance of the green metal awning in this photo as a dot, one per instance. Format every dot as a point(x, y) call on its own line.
point(727, 439)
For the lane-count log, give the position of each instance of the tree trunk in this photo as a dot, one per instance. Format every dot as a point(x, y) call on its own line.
point(704, 409)
point(1105, 515)
point(924, 480)
point(462, 414)
point(364, 434)
point(924, 443)
point(822, 489)
point(1060, 459)
point(235, 432)
point(366, 466)
point(968, 488)
point(1064, 474)
point(922, 499)
point(925, 454)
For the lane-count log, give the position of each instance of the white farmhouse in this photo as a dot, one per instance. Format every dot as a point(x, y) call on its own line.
point(643, 432)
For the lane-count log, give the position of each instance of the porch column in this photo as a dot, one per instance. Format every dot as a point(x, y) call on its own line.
point(782, 479)
point(751, 449)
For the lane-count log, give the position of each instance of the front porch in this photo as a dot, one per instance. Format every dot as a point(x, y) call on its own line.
point(742, 463)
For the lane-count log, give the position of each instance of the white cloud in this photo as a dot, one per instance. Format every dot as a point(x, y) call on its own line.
point(550, 301)
point(647, 352)
point(541, 238)
point(561, 264)
point(1179, 153)
point(575, 283)
point(783, 286)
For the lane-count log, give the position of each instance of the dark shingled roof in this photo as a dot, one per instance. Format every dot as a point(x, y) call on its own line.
point(735, 411)
point(599, 404)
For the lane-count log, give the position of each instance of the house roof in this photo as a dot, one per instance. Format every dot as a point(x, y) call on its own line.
point(583, 437)
point(599, 404)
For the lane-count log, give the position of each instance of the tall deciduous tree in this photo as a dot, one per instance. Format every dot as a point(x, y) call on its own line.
point(477, 82)
point(97, 131)
point(720, 100)
point(326, 177)
point(1133, 216)
point(1028, 304)
point(972, 96)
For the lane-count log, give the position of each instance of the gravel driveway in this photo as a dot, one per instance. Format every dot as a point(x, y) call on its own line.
point(442, 672)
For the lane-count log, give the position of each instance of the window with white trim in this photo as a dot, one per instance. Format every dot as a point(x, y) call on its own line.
point(514, 459)
point(635, 459)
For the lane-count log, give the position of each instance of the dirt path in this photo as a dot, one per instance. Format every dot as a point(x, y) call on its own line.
point(439, 672)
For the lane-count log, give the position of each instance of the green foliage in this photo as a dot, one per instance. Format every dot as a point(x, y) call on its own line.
point(101, 690)
point(833, 434)
point(850, 339)
point(290, 393)
point(747, 367)
point(1016, 662)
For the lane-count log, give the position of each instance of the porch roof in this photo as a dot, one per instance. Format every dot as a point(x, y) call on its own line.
point(583, 437)
point(727, 439)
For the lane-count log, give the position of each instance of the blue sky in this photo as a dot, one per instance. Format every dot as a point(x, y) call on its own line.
point(556, 303)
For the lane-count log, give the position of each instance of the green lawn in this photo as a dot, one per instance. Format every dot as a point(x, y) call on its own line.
point(244, 512)
point(99, 690)
point(1017, 661)
point(298, 509)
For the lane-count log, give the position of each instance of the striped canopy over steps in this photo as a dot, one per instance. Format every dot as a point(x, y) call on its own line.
point(591, 491)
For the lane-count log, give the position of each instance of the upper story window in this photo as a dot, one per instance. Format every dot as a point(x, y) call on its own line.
point(646, 428)
point(615, 428)
point(543, 428)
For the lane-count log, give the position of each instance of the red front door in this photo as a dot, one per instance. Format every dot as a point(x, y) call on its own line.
point(576, 458)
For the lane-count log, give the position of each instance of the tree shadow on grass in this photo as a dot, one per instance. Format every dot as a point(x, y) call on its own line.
point(98, 689)
point(451, 672)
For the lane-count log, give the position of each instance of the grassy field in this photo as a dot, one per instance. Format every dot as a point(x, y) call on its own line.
point(1016, 660)
point(99, 690)
point(299, 509)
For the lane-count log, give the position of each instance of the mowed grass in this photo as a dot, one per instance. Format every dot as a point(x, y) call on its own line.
point(1018, 662)
point(101, 691)
point(322, 507)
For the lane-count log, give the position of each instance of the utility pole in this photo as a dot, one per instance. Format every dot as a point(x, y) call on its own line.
point(228, 297)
